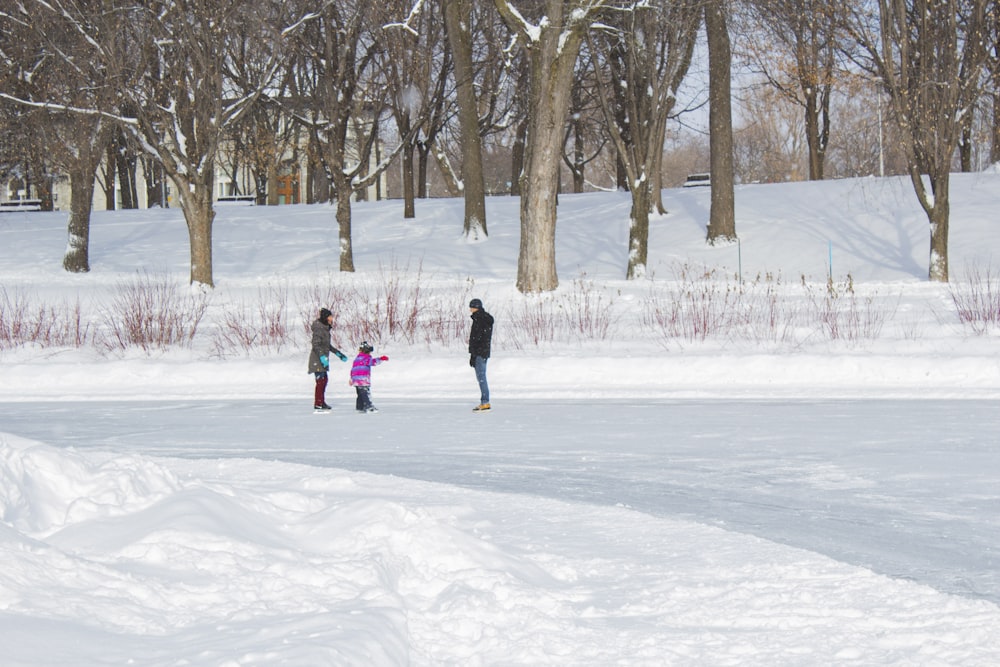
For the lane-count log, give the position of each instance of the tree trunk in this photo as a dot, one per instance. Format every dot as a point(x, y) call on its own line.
point(722, 216)
point(458, 20)
point(196, 203)
point(343, 188)
point(126, 183)
point(554, 47)
point(937, 206)
point(423, 151)
point(638, 231)
point(551, 77)
point(272, 184)
point(517, 157)
point(656, 177)
point(409, 207)
point(995, 138)
point(938, 271)
point(621, 175)
point(447, 171)
point(110, 169)
point(77, 257)
point(622, 121)
point(578, 157)
point(155, 183)
point(965, 145)
point(813, 138)
point(126, 161)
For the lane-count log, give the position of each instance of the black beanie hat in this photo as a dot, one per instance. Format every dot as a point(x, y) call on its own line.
point(475, 303)
point(323, 314)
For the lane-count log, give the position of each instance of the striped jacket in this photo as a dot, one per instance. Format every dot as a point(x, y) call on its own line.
point(361, 371)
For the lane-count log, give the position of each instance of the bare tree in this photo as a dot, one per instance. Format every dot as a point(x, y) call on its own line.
point(261, 139)
point(340, 98)
point(552, 38)
point(722, 216)
point(586, 132)
point(25, 158)
point(794, 46)
point(53, 76)
point(496, 109)
point(768, 146)
point(184, 103)
point(929, 55)
point(168, 58)
point(651, 48)
point(458, 16)
point(416, 66)
point(994, 81)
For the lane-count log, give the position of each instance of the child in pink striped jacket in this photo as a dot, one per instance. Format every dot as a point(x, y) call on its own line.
point(361, 376)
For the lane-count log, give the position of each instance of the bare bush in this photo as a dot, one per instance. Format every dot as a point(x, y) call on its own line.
point(842, 316)
point(702, 305)
point(583, 313)
point(261, 326)
point(152, 314)
point(695, 306)
point(533, 321)
point(392, 306)
point(763, 314)
point(977, 300)
point(23, 322)
point(590, 312)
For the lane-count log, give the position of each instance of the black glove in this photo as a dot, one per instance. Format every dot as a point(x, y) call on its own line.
point(472, 360)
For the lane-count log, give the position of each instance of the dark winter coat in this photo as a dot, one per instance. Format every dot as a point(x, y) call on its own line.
point(481, 335)
point(321, 346)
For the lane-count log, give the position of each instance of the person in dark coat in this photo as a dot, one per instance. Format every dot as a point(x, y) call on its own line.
point(480, 339)
point(319, 357)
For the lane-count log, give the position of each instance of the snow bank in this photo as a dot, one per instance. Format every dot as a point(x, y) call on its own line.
point(127, 559)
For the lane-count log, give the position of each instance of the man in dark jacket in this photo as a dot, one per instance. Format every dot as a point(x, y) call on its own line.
point(319, 357)
point(480, 338)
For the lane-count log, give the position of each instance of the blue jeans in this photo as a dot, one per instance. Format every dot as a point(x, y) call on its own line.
point(484, 388)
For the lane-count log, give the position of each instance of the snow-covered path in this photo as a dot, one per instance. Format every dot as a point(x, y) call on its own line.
point(907, 488)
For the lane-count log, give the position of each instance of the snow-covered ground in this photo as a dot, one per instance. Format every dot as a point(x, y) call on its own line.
point(821, 491)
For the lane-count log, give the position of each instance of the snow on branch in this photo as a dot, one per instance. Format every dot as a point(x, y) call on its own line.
point(407, 24)
point(52, 106)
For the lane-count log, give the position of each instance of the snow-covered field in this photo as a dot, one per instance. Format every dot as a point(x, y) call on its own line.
point(817, 483)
